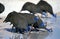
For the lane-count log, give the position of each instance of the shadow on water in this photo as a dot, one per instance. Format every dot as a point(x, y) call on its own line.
point(10, 30)
point(34, 35)
point(41, 35)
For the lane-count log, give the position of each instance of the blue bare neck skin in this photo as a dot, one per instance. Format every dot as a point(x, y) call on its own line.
point(44, 13)
point(42, 24)
point(36, 18)
point(54, 15)
point(28, 28)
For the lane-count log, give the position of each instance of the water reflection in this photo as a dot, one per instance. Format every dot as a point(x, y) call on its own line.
point(40, 35)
